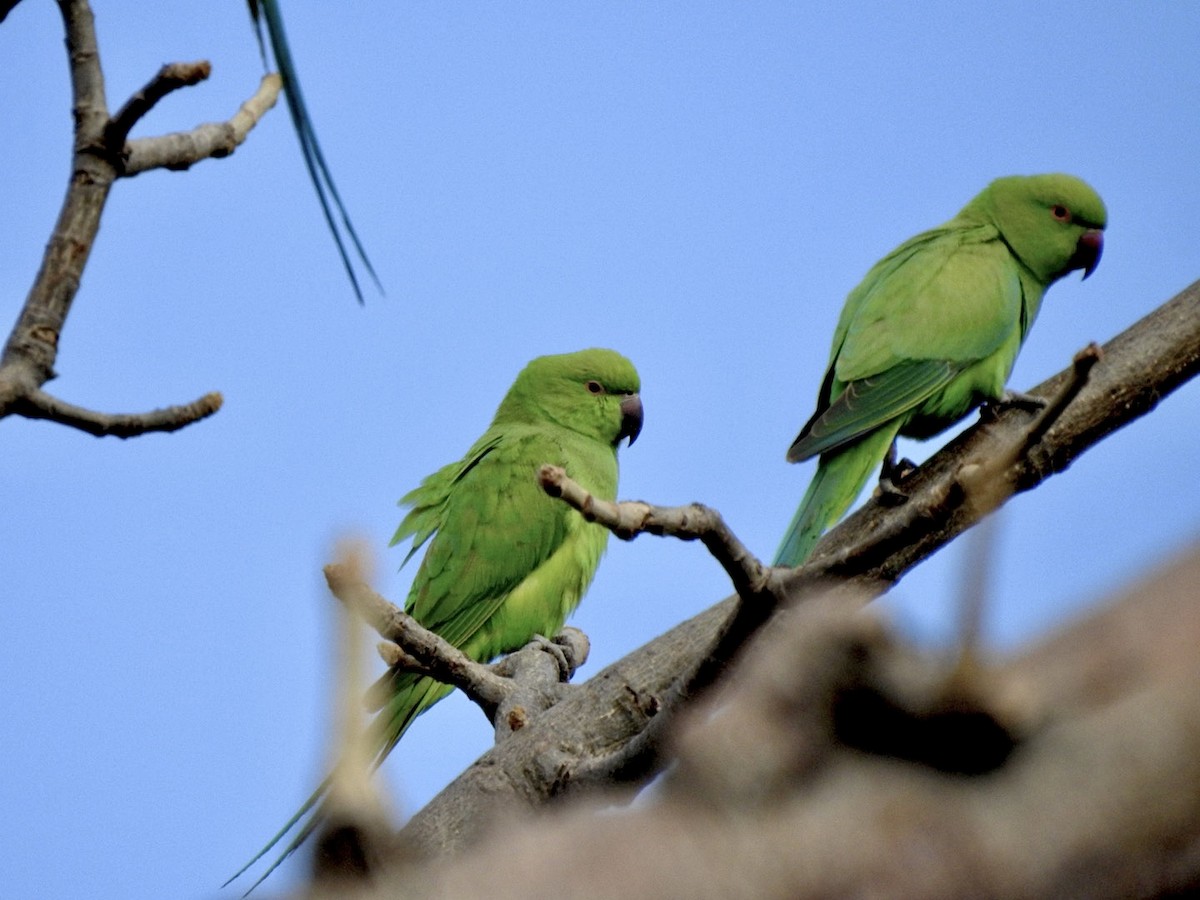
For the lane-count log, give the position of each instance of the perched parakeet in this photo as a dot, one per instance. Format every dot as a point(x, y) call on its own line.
point(933, 330)
point(505, 561)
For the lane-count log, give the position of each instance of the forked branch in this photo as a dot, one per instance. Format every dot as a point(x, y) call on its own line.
point(102, 154)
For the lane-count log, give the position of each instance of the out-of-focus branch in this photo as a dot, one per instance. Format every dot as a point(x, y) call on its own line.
point(805, 776)
point(101, 155)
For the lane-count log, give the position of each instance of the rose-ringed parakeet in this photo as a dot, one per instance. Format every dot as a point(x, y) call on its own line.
point(506, 562)
point(933, 330)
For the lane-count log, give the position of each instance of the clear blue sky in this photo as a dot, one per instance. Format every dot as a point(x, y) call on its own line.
point(697, 185)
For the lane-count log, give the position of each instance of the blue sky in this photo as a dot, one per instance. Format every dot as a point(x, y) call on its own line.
point(696, 185)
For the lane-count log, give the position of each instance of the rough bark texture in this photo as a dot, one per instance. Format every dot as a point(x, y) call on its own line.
point(807, 775)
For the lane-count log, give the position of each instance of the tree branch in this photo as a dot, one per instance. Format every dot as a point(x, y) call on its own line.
point(599, 735)
point(688, 523)
point(170, 77)
point(509, 692)
point(100, 156)
point(40, 405)
point(183, 149)
point(423, 651)
point(1099, 796)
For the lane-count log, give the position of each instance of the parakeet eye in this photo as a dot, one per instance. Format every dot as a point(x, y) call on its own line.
point(1061, 213)
point(595, 387)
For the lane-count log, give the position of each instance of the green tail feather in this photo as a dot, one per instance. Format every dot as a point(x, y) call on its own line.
point(840, 477)
point(410, 701)
point(309, 805)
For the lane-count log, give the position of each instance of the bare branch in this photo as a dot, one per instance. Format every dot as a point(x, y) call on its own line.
point(101, 155)
point(183, 149)
point(170, 77)
point(41, 405)
point(432, 654)
point(1068, 390)
point(693, 522)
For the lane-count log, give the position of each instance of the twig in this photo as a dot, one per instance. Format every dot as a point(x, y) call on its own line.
point(433, 655)
point(628, 519)
point(183, 149)
point(170, 77)
point(986, 484)
point(41, 405)
point(1081, 368)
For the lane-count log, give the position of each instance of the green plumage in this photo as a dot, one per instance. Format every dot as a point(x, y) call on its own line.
point(933, 330)
point(506, 562)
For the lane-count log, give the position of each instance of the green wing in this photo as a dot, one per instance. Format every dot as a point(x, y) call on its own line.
point(268, 13)
point(428, 501)
point(495, 527)
point(924, 314)
point(868, 403)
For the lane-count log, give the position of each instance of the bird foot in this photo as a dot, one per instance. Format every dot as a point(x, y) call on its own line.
point(887, 492)
point(894, 472)
point(1010, 400)
point(555, 649)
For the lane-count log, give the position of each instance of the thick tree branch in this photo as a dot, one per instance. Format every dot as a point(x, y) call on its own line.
point(101, 154)
point(798, 778)
point(598, 735)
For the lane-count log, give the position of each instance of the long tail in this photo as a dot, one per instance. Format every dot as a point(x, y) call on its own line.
point(413, 696)
point(268, 12)
point(840, 477)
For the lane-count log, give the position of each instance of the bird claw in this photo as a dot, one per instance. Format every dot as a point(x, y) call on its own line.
point(990, 410)
point(555, 649)
point(894, 472)
point(888, 493)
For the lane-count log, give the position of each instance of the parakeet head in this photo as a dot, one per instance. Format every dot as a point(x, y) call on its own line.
point(1053, 223)
point(593, 392)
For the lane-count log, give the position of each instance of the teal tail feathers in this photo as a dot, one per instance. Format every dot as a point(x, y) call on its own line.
point(840, 477)
point(408, 702)
point(311, 805)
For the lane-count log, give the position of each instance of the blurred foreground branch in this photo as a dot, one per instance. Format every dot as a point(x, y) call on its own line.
point(806, 776)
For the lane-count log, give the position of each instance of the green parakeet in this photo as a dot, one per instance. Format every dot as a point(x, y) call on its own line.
point(933, 330)
point(505, 561)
